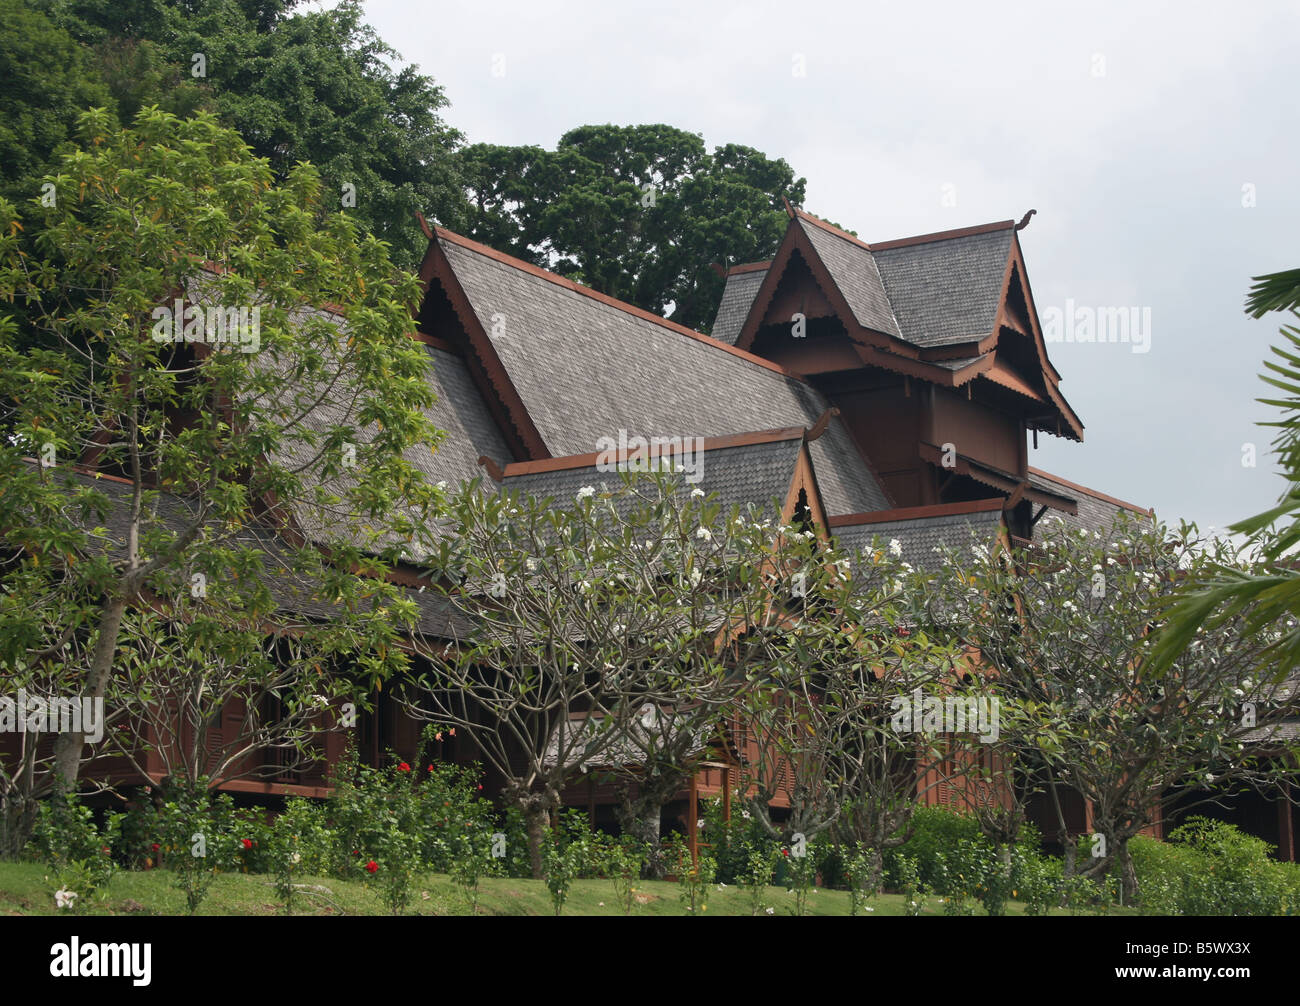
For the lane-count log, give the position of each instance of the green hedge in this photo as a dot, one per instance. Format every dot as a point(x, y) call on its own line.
point(1211, 868)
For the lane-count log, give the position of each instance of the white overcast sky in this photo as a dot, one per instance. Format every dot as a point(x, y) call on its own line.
point(1131, 127)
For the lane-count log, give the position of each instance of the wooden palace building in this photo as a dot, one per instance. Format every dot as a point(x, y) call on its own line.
point(895, 388)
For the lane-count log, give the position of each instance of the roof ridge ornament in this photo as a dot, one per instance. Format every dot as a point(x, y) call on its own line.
point(819, 427)
point(1024, 221)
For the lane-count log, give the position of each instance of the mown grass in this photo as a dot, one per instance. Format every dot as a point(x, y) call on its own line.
point(28, 889)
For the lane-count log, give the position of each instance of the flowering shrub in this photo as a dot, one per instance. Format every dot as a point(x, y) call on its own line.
point(694, 879)
point(858, 876)
point(299, 845)
point(758, 873)
point(731, 843)
point(802, 872)
point(65, 837)
point(910, 885)
point(1039, 884)
point(437, 807)
point(188, 842)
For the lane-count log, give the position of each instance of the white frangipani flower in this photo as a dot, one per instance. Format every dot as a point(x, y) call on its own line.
point(586, 491)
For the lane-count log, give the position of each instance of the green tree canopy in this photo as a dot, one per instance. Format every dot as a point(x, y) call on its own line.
point(637, 212)
point(316, 86)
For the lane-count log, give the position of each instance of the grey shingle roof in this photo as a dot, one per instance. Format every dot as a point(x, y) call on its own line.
point(920, 536)
point(293, 591)
point(459, 410)
point(946, 291)
point(586, 369)
point(1095, 515)
point(752, 474)
point(737, 298)
point(853, 268)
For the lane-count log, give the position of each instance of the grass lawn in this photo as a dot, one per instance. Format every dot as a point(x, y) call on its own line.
point(28, 889)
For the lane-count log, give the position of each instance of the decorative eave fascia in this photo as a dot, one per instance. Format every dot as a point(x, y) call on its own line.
point(485, 366)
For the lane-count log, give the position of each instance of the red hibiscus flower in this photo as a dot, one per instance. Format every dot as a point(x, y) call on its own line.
point(248, 843)
point(372, 867)
point(155, 847)
point(480, 785)
point(786, 853)
point(403, 767)
point(430, 768)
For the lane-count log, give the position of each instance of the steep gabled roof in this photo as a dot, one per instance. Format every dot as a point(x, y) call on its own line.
point(585, 366)
point(853, 269)
point(912, 305)
point(459, 410)
point(737, 296)
point(945, 290)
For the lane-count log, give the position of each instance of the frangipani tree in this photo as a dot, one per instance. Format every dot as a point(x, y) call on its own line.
point(1067, 629)
point(838, 695)
point(594, 645)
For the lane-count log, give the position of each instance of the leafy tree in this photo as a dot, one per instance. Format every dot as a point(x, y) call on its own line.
point(637, 212)
point(1067, 627)
point(291, 417)
point(316, 86)
point(593, 640)
point(821, 713)
point(49, 81)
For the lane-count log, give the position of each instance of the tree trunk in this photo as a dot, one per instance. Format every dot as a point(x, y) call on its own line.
point(537, 814)
point(641, 819)
point(68, 746)
point(17, 818)
point(1128, 873)
point(645, 827)
point(875, 880)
